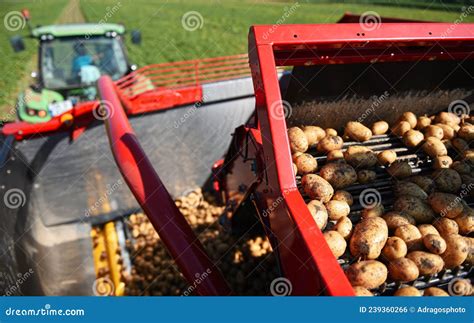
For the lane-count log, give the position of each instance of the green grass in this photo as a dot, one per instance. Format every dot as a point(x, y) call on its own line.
point(226, 23)
point(14, 65)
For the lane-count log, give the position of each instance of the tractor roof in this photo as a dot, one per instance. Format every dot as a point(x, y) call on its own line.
point(67, 30)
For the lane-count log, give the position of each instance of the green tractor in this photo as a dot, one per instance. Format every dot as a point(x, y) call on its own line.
point(71, 57)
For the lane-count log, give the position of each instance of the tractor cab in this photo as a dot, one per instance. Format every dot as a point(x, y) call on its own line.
point(71, 58)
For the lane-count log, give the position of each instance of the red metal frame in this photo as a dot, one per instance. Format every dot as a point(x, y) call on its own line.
point(304, 256)
point(155, 200)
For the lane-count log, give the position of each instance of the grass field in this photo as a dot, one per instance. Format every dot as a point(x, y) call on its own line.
point(14, 65)
point(223, 28)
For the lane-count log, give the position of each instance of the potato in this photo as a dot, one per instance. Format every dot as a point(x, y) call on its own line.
point(386, 157)
point(331, 132)
point(435, 291)
point(403, 270)
point(470, 256)
point(409, 117)
point(460, 145)
point(427, 263)
point(409, 188)
point(461, 287)
point(434, 131)
point(465, 223)
point(317, 187)
point(448, 132)
point(400, 128)
point(422, 122)
point(426, 183)
point(366, 176)
point(407, 291)
point(298, 141)
point(445, 204)
point(329, 143)
point(434, 147)
point(442, 162)
point(379, 128)
point(357, 131)
point(335, 155)
point(295, 169)
point(400, 169)
point(319, 213)
point(434, 243)
point(467, 185)
point(426, 229)
point(418, 209)
point(411, 235)
point(461, 167)
point(457, 250)
point(467, 132)
point(446, 226)
point(344, 227)
point(369, 238)
point(447, 180)
point(337, 209)
point(361, 291)
point(447, 118)
point(336, 243)
point(305, 163)
point(313, 134)
point(369, 274)
point(339, 175)
point(396, 219)
point(374, 211)
point(468, 156)
point(413, 138)
point(343, 196)
point(360, 157)
point(394, 248)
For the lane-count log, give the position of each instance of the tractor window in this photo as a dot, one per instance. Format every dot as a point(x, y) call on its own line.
point(77, 62)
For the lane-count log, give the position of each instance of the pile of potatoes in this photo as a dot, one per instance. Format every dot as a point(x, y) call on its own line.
point(429, 227)
point(247, 263)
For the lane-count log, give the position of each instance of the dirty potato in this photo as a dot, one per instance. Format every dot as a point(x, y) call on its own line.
point(407, 291)
point(448, 132)
point(394, 248)
point(319, 213)
point(426, 229)
point(457, 250)
point(313, 134)
point(422, 122)
point(369, 238)
point(434, 131)
point(400, 169)
point(465, 221)
point(448, 118)
point(344, 227)
point(373, 211)
point(369, 274)
point(409, 117)
point(442, 162)
point(445, 204)
point(411, 235)
point(417, 208)
point(467, 132)
point(339, 175)
point(403, 270)
point(396, 219)
point(361, 291)
point(409, 188)
point(460, 145)
point(434, 291)
point(434, 243)
point(305, 163)
point(447, 180)
point(330, 132)
point(329, 143)
point(461, 167)
point(336, 154)
point(337, 209)
point(298, 141)
point(413, 138)
point(379, 128)
point(426, 183)
point(434, 147)
point(386, 157)
point(400, 128)
point(357, 131)
point(317, 187)
point(343, 196)
point(366, 176)
point(336, 243)
point(427, 263)
point(360, 157)
point(446, 226)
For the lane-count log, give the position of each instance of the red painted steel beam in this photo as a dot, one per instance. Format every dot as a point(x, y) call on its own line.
point(155, 200)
